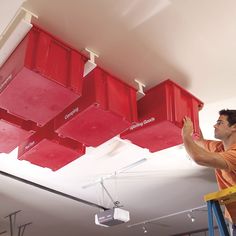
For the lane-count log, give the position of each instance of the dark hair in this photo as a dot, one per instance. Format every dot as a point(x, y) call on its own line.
point(231, 115)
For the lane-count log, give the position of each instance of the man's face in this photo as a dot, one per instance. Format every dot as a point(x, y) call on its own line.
point(222, 128)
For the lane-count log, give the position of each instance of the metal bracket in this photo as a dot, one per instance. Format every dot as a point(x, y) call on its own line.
point(12, 218)
point(21, 228)
point(140, 86)
point(116, 203)
point(90, 64)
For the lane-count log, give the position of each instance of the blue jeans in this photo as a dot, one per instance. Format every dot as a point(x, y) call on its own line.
point(232, 229)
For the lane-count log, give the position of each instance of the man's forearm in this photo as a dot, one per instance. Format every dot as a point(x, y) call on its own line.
point(195, 150)
point(201, 156)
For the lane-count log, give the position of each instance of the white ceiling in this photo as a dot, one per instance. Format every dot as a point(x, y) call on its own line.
point(191, 42)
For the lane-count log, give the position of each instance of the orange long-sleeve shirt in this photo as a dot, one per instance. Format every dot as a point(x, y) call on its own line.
point(225, 178)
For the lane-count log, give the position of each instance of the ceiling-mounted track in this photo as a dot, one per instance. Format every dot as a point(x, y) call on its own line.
point(52, 190)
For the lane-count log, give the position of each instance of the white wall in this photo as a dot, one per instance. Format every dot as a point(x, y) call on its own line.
point(209, 115)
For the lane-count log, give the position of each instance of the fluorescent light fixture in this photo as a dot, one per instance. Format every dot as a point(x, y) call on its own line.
point(14, 33)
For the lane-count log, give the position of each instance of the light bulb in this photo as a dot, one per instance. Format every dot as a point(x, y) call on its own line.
point(144, 229)
point(191, 217)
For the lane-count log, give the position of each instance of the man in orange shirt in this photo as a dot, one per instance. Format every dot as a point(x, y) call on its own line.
point(220, 155)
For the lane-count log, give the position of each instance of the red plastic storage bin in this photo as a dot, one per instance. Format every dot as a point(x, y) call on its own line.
point(41, 78)
point(107, 108)
point(46, 149)
point(161, 112)
point(13, 131)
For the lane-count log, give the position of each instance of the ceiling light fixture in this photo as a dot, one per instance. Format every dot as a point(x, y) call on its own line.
point(144, 229)
point(191, 217)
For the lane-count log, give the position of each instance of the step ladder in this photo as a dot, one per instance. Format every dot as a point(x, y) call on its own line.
point(214, 200)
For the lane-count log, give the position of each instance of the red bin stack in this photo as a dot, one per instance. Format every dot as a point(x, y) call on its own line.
point(52, 113)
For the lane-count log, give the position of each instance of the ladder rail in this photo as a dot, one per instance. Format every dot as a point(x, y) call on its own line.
point(214, 200)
